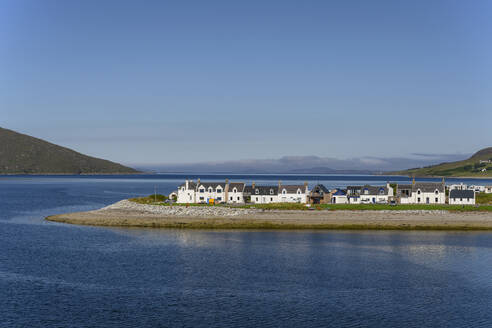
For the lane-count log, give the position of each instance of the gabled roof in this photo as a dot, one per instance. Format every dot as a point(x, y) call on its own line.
point(265, 190)
point(319, 187)
point(238, 185)
point(428, 186)
point(214, 185)
point(292, 189)
point(372, 190)
point(404, 187)
point(191, 185)
point(456, 193)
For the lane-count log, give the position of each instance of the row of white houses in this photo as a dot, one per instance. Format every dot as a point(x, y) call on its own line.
point(476, 188)
point(239, 192)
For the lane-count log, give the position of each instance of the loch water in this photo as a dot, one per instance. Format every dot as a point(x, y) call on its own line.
point(59, 275)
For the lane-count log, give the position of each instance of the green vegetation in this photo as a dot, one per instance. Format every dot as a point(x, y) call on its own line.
point(470, 167)
point(483, 198)
point(151, 199)
point(22, 154)
point(407, 207)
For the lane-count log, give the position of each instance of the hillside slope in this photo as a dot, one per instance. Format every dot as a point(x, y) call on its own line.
point(23, 154)
point(471, 167)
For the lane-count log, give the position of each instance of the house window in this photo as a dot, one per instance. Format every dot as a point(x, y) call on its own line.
point(256, 198)
point(257, 192)
point(183, 189)
point(231, 197)
point(202, 190)
point(461, 199)
point(437, 200)
point(418, 192)
point(437, 192)
point(366, 192)
point(284, 191)
point(271, 199)
point(381, 191)
point(234, 190)
point(219, 191)
point(201, 198)
point(418, 200)
point(239, 198)
point(219, 198)
point(271, 191)
point(210, 190)
point(298, 191)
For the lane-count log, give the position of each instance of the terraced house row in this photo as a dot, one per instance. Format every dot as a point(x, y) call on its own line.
point(239, 193)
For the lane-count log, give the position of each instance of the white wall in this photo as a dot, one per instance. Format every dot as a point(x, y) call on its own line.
point(462, 201)
point(264, 199)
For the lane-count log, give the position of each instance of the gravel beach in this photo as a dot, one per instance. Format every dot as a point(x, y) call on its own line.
point(130, 214)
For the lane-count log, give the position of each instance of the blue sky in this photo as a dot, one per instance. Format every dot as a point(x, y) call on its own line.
point(192, 81)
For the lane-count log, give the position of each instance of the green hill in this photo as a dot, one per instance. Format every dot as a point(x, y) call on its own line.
point(471, 167)
point(23, 154)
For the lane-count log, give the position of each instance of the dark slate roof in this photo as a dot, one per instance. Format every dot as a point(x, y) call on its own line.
point(373, 190)
point(247, 189)
point(292, 189)
point(264, 190)
point(404, 187)
point(428, 186)
point(214, 185)
point(238, 185)
point(455, 193)
point(319, 187)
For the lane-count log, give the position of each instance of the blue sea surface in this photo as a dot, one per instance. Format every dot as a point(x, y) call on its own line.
point(59, 275)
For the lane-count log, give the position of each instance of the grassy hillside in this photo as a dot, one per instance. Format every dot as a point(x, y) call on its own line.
point(470, 167)
point(22, 154)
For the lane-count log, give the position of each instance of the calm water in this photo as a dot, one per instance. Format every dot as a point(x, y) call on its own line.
point(55, 275)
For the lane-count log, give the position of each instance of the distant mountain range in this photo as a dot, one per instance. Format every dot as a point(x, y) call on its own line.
point(306, 165)
point(23, 154)
point(478, 165)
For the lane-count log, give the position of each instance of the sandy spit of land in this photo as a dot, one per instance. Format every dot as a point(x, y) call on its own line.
point(129, 214)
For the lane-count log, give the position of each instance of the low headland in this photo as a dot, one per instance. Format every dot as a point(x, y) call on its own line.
point(141, 212)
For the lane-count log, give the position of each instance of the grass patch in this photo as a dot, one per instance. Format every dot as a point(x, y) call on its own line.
point(483, 198)
point(407, 207)
point(151, 199)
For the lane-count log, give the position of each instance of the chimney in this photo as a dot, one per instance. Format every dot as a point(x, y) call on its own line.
point(305, 185)
point(198, 182)
point(226, 190)
point(279, 185)
point(186, 184)
point(253, 185)
point(413, 181)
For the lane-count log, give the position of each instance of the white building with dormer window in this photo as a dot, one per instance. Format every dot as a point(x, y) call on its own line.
point(422, 193)
point(293, 193)
point(207, 192)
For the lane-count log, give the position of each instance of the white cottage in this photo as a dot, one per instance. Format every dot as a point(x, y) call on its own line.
point(422, 193)
point(235, 192)
point(187, 192)
point(293, 193)
point(462, 197)
point(264, 194)
point(207, 192)
point(369, 194)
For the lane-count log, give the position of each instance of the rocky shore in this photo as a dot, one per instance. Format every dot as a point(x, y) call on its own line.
point(130, 214)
